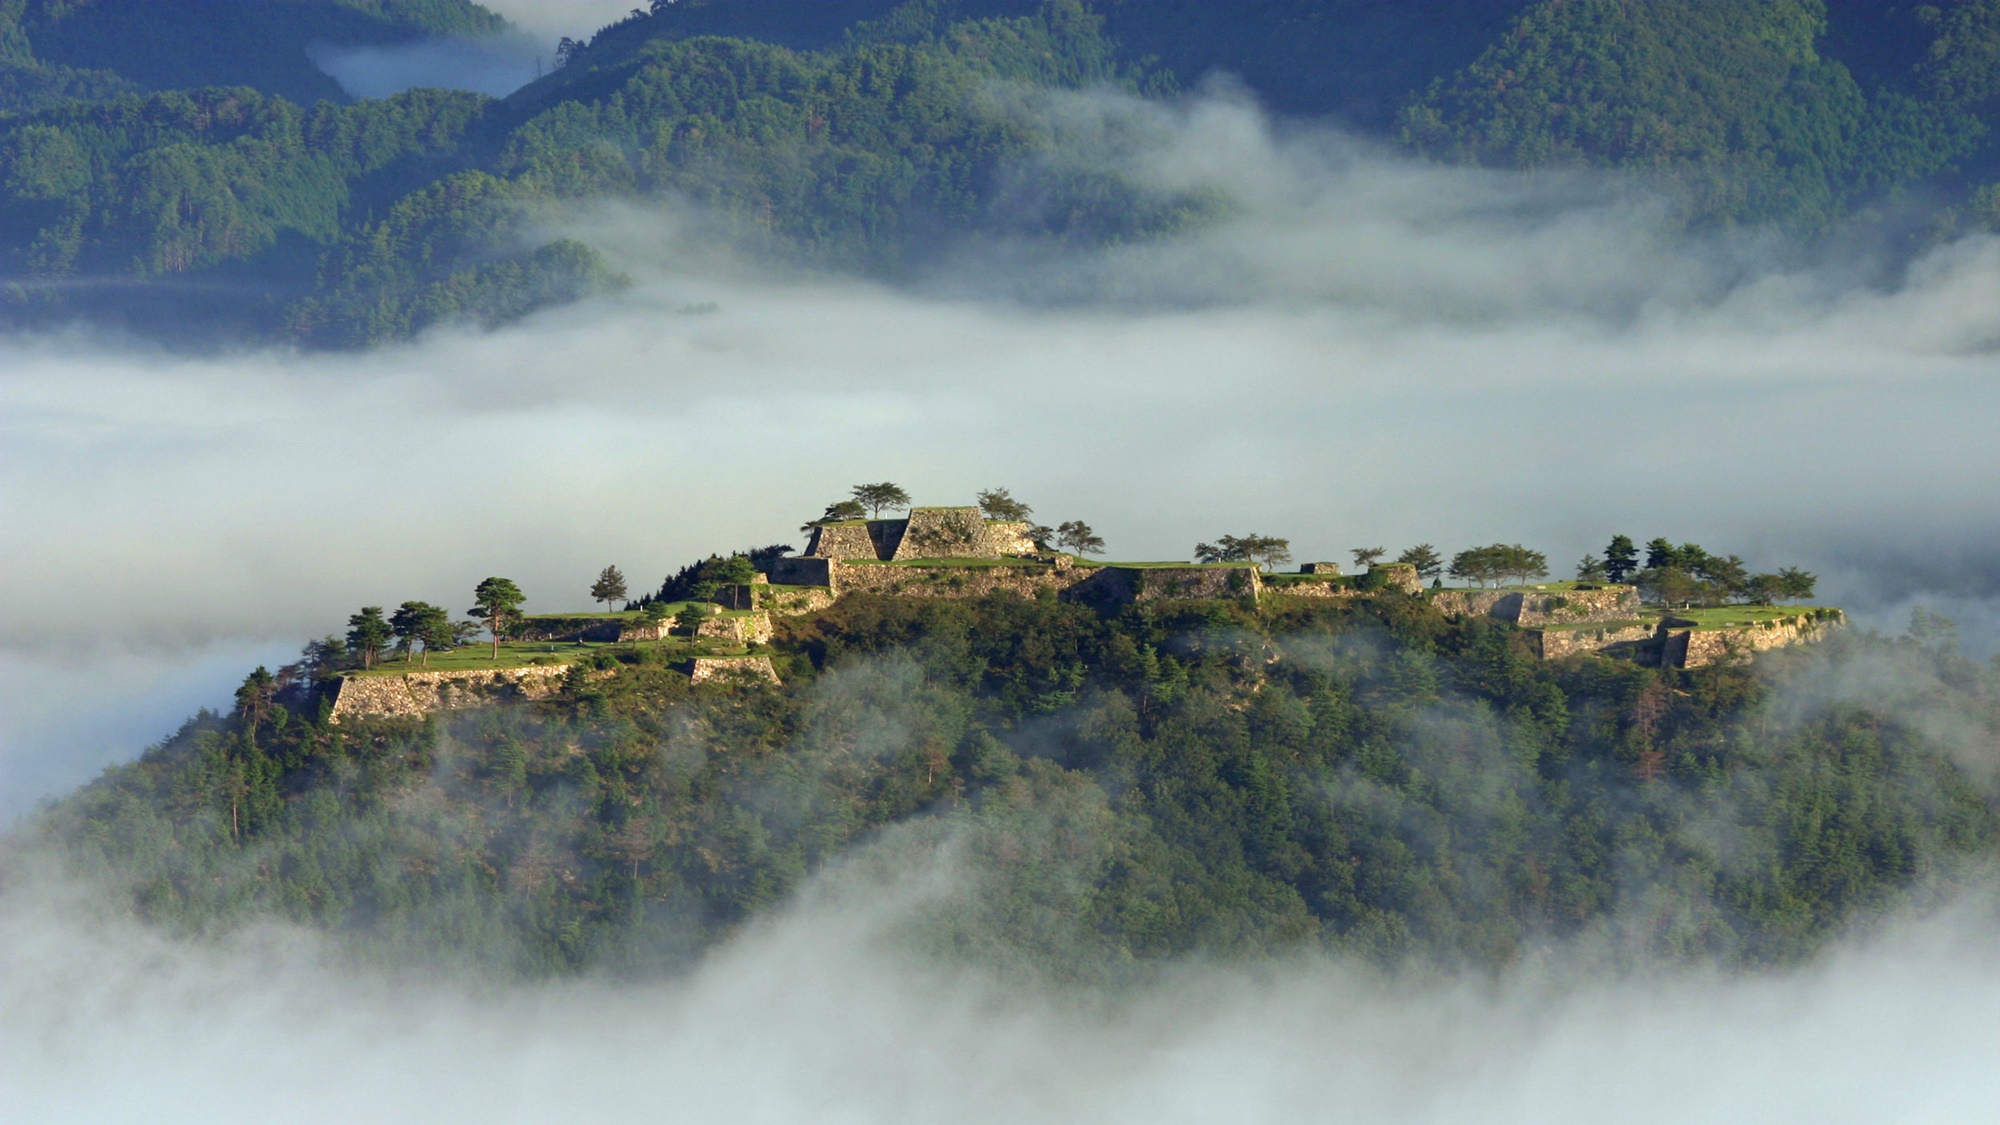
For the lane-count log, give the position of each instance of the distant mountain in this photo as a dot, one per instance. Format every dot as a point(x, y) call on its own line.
point(184, 44)
point(854, 134)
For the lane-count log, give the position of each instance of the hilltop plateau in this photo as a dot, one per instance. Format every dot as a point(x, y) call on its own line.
point(1139, 759)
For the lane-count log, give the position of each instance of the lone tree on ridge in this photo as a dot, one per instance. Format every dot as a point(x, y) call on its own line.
point(1078, 537)
point(1621, 558)
point(1425, 558)
point(609, 587)
point(1364, 557)
point(998, 504)
point(876, 497)
point(499, 602)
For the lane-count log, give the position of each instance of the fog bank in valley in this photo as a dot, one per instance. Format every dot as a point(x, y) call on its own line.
point(823, 1014)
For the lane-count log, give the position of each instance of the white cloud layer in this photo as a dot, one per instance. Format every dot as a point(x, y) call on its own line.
point(817, 1016)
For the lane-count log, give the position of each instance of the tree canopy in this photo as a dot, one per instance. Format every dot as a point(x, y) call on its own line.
point(497, 601)
point(880, 497)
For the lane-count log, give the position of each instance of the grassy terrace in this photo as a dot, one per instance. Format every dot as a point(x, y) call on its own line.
point(1581, 626)
point(1738, 616)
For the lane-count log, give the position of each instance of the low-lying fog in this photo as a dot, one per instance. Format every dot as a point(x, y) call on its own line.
point(821, 1015)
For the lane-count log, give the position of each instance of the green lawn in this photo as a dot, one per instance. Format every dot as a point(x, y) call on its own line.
point(1735, 616)
point(525, 654)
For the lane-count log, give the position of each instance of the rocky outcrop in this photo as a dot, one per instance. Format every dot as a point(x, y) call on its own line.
point(709, 669)
point(415, 694)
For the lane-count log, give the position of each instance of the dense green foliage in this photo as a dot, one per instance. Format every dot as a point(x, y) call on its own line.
point(1184, 777)
point(881, 135)
point(1730, 97)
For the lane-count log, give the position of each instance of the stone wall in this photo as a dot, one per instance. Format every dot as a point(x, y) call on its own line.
point(1026, 580)
point(708, 669)
point(415, 694)
point(1320, 568)
point(1698, 648)
point(747, 629)
point(956, 533)
point(1529, 608)
point(1122, 584)
point(1554, 644)
point(840, 541)
point(803, 571)
point(928, 533)
point(1326, 588)
point(1393, 576)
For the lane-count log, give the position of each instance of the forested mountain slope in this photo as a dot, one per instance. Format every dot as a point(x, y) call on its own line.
point(1119, 786)
point(865, 134)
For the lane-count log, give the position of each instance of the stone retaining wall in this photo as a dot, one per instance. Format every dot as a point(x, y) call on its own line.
point(707, 669)
point(415, 694)
point(1313, 589)
point(1698, 648)
point(1393, 576)
point(750, 629)
point(1026, 580)
point(1528, 608)
point(1554, 644)
point(1116, 585)
point(928, 533)
point(841, 541)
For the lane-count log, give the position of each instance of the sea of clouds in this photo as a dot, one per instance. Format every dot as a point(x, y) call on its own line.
point(821, 1014)
point(1369, 351)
